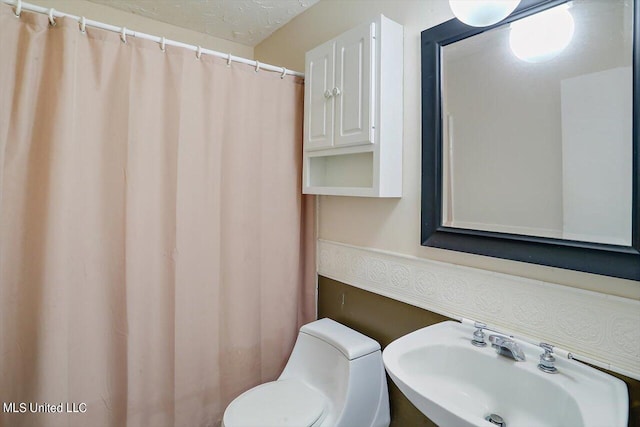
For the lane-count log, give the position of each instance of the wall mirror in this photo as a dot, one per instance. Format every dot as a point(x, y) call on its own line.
point(530, 145)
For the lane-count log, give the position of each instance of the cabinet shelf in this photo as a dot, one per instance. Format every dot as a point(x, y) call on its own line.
point(345, 170)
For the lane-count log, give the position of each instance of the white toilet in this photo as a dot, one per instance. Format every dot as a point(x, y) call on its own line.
point(334, 378)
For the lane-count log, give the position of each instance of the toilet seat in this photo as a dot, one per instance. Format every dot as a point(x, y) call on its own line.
point(285, 403)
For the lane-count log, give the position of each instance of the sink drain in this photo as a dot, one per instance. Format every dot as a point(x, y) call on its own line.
point(495, 419)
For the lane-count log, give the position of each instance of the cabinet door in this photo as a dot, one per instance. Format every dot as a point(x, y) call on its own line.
point(318, 97)
point(354, 95)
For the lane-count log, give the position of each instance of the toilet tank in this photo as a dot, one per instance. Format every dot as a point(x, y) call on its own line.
point(350, 343)
point(345, 366)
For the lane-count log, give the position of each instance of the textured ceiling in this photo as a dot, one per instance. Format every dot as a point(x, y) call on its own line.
point(242, 21)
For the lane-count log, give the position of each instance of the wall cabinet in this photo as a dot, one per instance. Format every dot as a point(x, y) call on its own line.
point(353, 113)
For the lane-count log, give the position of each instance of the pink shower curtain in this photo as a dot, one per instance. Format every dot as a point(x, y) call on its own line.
point(156, 254)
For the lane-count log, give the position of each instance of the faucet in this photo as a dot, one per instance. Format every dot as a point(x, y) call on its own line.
point(507, 347)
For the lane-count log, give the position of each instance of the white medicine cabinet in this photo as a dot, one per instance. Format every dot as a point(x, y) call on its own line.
point(353, 113)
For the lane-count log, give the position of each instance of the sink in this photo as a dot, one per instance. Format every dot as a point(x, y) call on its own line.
point(457, 384)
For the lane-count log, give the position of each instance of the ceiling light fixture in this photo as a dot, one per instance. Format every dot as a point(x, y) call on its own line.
point(482, 13)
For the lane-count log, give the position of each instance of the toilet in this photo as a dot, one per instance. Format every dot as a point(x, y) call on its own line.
point(334, 378)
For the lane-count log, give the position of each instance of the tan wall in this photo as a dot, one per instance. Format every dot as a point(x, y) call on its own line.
point(109, 15)
point(394, 225)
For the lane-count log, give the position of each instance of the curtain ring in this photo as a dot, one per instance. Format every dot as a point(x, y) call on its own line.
point(123, 35)
point(198, 52)
point(162, 44)
point(257, 66)
point(18, 10)
point(83, 25)
point(52, 20)
point(229, 60)
point(284, 73)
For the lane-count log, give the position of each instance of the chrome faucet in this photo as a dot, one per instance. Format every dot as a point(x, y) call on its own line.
point(507, 347)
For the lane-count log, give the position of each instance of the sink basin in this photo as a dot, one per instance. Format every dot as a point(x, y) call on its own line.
point(457, 384)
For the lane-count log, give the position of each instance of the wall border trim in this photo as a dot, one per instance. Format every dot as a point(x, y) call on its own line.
point(591, 324)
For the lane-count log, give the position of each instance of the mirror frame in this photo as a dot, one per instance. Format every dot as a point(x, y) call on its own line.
point(604, 259)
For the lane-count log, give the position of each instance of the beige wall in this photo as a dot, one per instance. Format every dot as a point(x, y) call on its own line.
point(109, 15)
point(394, 225)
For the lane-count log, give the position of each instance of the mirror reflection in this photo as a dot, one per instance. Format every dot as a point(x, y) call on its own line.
point(537, 125)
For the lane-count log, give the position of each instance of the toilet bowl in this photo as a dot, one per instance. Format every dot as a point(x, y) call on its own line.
point(334, 378)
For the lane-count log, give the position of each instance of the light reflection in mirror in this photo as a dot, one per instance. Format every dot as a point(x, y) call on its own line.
point(541, 37)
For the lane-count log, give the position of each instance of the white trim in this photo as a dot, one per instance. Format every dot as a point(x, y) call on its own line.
point(158, 39)
point(594, 326)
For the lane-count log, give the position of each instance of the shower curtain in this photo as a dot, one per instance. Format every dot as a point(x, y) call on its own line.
point(156, 253)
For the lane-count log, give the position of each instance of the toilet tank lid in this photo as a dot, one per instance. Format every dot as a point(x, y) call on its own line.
point(350, 343)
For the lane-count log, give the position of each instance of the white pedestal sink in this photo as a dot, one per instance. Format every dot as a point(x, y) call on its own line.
point(457, 384)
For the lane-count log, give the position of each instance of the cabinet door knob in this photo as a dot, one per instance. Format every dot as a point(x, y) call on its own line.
point(327, 94)
point(336, 91)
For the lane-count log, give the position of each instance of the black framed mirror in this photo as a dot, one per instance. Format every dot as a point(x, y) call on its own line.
point(510, 172)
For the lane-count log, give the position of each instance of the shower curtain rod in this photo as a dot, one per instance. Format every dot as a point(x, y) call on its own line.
point(124, 32)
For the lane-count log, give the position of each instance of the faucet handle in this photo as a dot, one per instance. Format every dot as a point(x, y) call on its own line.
point(547, 361)
point(478, 335)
